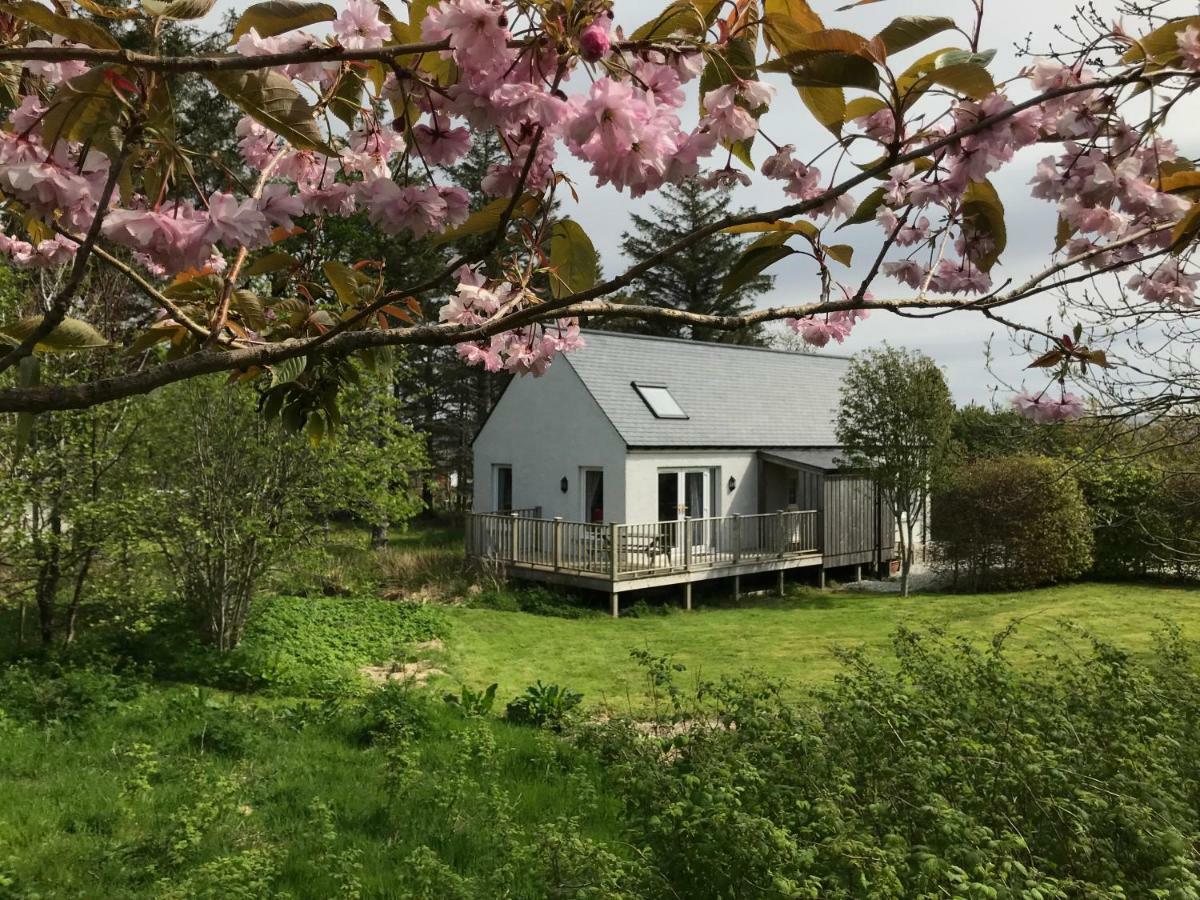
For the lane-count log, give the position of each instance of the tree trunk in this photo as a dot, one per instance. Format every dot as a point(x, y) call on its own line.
point(77, 595)
point(379, 536)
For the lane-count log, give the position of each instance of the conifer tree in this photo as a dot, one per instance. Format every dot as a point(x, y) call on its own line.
point(690, 281)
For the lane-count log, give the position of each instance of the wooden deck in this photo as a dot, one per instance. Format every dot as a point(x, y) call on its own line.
point(619, 557)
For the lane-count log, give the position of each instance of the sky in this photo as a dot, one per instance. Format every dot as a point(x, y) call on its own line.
point(957, 342)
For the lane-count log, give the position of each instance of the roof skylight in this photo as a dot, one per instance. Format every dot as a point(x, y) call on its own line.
point(658, 398)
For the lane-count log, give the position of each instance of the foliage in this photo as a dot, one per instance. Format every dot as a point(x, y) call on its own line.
point(543, 706)
point(1129, 512)
point(535, 599)
point(1013, 522)
point(309, 646)
point(951, 772)
point(894, 422)
point(472, 702)
point(234, 496)
point(693, 279)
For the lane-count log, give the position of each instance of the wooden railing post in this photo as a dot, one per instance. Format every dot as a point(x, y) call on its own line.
point(512, 536)
point(614, 552)
point(557, 543)
point(736, 527)
point(687, 543)
point(780, 521)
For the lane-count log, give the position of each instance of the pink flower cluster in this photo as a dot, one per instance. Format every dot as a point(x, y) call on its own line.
point(52, 252)
point(520, 351)
point(819, 330)
point(1041, 408)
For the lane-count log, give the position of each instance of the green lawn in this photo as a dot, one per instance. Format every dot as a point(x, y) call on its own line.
point(789, 638)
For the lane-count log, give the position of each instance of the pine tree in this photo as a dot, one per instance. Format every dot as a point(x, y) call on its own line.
point(690, 281)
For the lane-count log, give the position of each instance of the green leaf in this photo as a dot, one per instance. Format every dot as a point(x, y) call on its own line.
point(798, 227)
point(842, 253)
point(346, 102)
point(81, 31)
point(960, 70)
point(280, 16)
point(752, 263)
point(287, 371)
point(681, 17)
point(488, 218)
point(249, 308)
point(784, 20)
point(1161, 44)
point(866, 210)
point(863, 106)
point(68, 336)
point(275, 261)
point(982, 205)
point(345, 282)
point(1186, 229)
point(908, 31)
point(834, 70)
point(178, 9)
point(84, 109)
point(271, 100)
point(572, 258)
point(828, 106)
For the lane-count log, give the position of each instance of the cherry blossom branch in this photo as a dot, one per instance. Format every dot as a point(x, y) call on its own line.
point(62, 301)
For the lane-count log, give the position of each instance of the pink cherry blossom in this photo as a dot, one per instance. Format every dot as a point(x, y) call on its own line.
point(439, 144)
point(236, 224)
point(1041, 408)
point(728, 121)
point(478, 34)
point(58, 72)
point(594, 42)
point(359, 26)
point(280, 206)
point(175, 236)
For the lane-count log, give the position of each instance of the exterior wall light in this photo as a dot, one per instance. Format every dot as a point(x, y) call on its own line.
point(732, 483)
point(562, 485)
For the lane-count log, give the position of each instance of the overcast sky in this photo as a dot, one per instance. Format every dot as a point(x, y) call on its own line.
point(956, 341)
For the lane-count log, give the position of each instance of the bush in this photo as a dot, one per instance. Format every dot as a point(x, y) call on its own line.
point(1011, 522)
point(953, 773)
point(533, 599)
point(543, 706)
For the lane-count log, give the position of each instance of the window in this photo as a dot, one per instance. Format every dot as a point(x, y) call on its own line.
point(593, 495)
point(502, 479)
point(660, 401)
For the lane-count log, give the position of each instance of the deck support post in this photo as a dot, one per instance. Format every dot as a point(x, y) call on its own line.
point(614, 603)
point(557, 543)
point(512, 534)
point(858, 573)
point(781, 590)
point(821, 578)
point(737, 588)
point(687, 595)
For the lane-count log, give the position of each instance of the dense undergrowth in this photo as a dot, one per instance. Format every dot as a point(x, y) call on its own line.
point(947, 770)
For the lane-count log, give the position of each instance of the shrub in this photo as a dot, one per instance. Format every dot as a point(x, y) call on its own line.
point(543, 706)
point(953, 773)
point(1128, 515)
point(1011, 522)
point(533, 599)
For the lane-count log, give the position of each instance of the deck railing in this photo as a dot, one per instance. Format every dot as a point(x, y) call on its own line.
point(633, 550)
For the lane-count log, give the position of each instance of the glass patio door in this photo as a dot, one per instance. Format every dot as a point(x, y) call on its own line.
point(683, 494)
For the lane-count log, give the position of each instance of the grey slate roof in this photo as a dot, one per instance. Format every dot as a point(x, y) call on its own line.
point(827, 459)
point(734, 396)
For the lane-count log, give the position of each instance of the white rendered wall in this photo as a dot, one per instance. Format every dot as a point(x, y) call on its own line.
point(641, 480)
point(549, 428)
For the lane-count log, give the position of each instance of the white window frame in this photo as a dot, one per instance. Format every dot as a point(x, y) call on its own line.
point(642, 387)
point(583, 491)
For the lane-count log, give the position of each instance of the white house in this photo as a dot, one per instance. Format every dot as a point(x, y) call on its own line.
point(649, 434)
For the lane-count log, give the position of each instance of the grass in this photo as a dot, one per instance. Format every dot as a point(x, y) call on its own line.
point(789, 638)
